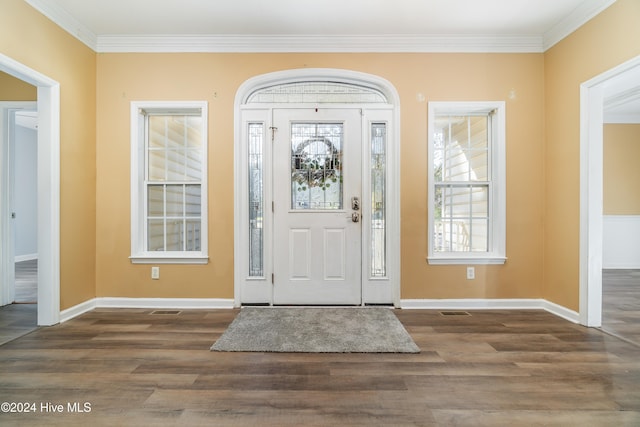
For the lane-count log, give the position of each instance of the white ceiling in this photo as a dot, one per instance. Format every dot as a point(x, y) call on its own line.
point(507, 17)
point(330, 26)
point(320, 25)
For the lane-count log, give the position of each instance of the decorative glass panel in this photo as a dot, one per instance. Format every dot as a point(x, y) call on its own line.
point(256, 200)
point(316, 93)
point(378, 189)
point(316, 166)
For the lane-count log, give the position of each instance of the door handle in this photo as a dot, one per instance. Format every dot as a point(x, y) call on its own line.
point(355, 217)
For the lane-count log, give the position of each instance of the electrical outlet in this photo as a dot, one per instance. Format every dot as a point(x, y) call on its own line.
point(471, 273)
point(155, 273)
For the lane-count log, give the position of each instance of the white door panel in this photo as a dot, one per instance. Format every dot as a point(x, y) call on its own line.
point(334, 247)
point(317, 172)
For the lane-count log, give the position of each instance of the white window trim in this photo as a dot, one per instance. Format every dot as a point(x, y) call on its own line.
point(138, 253)
point(497, 206)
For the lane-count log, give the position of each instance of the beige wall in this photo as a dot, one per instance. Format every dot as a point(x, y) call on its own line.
point(12, 89)
point(440, 77)
point(621, 171)
point(33, 40)
point(609, 39)
point(542, 152)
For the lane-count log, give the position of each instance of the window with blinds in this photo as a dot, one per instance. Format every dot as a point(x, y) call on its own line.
point(170, 182)
point(466, 203)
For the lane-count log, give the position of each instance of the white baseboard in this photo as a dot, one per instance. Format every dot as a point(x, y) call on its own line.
point(181, 303)
point(77, 310)
point(491, 304)
point(429, 304)
point(27, 257)
point(149, 303)
point(560, 311)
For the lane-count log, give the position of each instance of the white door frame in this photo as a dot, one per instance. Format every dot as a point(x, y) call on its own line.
point(48, 105)
point(592, 94)
point(378, 290)
point(7, 195)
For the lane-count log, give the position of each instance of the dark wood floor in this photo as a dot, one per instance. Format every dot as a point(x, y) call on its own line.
point(27, 282)
point(17, 320)
point(621, 303)
point(21, 318)
point(492, 368)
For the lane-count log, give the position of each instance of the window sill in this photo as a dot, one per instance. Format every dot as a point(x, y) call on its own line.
point(169, 259)
point(451, 259)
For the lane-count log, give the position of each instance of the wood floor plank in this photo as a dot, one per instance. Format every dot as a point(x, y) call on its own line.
point(488, 368)
point(480, 418)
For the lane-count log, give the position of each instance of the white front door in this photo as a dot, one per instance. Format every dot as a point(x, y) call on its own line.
point(317, 193)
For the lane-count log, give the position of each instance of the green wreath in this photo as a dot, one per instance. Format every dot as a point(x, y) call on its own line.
point(319, 170)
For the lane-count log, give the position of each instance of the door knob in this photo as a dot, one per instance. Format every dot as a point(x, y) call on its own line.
point(355, 217)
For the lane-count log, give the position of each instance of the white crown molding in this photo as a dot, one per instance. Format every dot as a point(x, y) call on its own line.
point(622, 98)
point(622, 118)
point(580, 16)
point(321, 43)
point(65, 21)
point(318, 43)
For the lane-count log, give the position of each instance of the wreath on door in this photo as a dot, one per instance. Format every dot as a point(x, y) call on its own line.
point(316, 162)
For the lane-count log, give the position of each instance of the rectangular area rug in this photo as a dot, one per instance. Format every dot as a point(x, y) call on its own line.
point(316, 330)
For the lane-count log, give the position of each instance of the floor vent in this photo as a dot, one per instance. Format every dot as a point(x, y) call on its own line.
point(454, 313)
point(166, 312)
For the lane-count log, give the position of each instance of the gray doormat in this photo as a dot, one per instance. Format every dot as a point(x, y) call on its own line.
point(316, 330)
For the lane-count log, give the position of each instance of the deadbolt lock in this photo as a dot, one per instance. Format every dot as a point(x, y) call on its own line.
point(355, 203)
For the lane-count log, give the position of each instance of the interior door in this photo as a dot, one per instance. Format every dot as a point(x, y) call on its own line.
point(317, 191)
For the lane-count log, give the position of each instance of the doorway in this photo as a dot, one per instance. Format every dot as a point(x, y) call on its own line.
point(615, 82)
point(48, 107)
point(23, 171)
point(316, 189)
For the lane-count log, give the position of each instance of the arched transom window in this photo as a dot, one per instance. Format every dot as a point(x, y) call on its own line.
point(316, 93)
